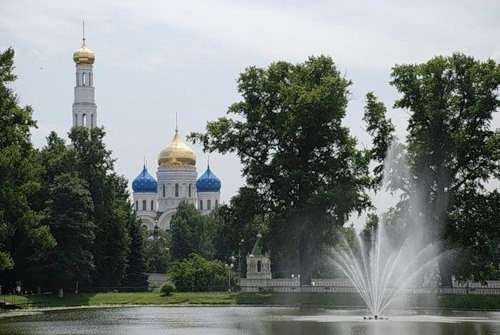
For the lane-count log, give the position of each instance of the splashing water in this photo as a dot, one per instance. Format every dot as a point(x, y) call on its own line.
point(381, 272)
point(380, 268)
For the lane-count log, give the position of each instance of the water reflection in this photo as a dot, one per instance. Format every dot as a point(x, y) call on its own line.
point(244, 320)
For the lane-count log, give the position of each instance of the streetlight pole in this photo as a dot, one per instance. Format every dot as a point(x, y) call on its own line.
point(239, 258)
point(229, 267)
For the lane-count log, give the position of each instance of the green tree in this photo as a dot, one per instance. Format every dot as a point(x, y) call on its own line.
point(288, 134)
point(22, 235)
point(188, 232)
point(453, 150)
point(69, 215)
point(195, 273)
point(135, 277)
point(157, 251)
point(112, 208)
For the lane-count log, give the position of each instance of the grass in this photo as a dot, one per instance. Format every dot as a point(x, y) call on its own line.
point(122, 298)
point(327, 300)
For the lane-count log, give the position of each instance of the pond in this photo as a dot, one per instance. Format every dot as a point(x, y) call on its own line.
point(244, 320)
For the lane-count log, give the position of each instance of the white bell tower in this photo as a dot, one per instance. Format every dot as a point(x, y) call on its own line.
point(84, 107)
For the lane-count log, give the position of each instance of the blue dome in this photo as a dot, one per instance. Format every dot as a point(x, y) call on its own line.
point(208, 182)
point(144, 182)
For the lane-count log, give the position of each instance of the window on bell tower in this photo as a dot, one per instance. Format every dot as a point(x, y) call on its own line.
point(176, 190)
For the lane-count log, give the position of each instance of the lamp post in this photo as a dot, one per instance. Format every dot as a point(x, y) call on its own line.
point(239, 258)
point(229, 267)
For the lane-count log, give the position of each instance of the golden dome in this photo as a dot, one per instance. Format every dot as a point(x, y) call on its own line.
point(84, 55)
point(177, 154)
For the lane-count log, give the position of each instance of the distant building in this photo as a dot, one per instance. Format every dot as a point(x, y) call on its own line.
point(156, 201)
point(84, 107)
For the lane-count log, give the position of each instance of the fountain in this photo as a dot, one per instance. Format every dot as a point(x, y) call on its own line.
point(379, 267)
point(380, 272)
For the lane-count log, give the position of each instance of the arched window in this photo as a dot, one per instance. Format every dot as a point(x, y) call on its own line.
point(216, 203)
point(189, 190)
point(176, 190)
point(209, 204)
point(136, 205)
point(84, 119)
point(164, 190)
point(144, 205)
point(201, 205)
point(83, 79)
point(152, 205)
point(259, 266)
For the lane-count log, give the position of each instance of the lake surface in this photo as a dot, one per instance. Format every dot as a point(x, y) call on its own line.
point(245, 320)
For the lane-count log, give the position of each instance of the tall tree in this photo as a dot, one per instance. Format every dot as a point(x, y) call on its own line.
point(288, 134)
point(21, 233)
point(111, 205)
point(69, 212)
point(452, 147)
point(135, 277)
point(157, 251)
point(188, 234)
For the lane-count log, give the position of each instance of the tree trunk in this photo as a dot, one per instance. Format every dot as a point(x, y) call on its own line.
point(304, 260)
point(445, 270)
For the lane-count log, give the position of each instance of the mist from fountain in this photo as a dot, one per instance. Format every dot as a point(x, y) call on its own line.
point(380, 267)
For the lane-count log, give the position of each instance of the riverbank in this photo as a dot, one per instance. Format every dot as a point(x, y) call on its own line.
point(324, 300)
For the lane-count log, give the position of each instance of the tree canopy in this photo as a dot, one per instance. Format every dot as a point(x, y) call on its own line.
point(453, 150)
point(288, 134)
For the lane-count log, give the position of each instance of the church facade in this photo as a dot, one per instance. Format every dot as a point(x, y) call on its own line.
point(155, 200)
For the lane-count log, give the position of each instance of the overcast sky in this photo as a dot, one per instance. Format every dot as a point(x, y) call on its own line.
point(158, 58)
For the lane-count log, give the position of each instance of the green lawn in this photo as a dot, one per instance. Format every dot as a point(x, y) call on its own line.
point(327, 300)
point(121, 298)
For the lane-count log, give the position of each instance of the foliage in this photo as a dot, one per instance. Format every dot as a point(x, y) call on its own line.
point(168, 288)
point(295, 152)
point(240, 222)
point(22, 235)
point(196, 274)
point(112, 208)
point(69, 211)
point(135, 277)
point(157, 251)
point(453, 151)
point(188, 232)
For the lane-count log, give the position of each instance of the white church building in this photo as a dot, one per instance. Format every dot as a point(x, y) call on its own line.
point(155, 200)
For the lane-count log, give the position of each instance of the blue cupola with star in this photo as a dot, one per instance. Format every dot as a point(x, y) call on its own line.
point(208, 182)
point(144, 182)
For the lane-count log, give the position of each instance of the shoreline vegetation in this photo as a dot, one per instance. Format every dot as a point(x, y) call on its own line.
point(321, 300)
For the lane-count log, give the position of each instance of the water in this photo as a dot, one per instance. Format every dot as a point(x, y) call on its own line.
point(380, 271)
point(244, 320)
point(382, 266)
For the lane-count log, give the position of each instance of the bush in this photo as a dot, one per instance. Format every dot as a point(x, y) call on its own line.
point(197, 274)
point(168, 288)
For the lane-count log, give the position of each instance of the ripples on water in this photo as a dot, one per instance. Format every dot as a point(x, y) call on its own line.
point(243, 320)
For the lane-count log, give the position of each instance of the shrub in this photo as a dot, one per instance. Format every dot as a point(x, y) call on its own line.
point(168, 288)
point(197, 274)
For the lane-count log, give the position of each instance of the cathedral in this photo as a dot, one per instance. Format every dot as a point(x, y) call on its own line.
point(155, 200)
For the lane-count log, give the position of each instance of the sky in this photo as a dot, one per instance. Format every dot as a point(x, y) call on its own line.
point(159, 58)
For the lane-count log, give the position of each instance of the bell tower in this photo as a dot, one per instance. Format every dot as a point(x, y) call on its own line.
point(84, 107)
